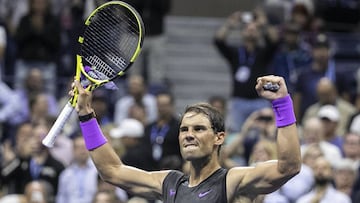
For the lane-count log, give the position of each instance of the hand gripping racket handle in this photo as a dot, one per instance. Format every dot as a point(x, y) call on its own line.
point(49, 140)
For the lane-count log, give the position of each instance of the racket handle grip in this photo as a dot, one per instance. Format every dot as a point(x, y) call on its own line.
point(49, 140)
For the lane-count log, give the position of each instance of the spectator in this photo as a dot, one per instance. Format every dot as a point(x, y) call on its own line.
point(137, 111)
point(105, 197)
point(263, 150)
point(34, 85)
point(39, 166)
point(292, 56)
point(323, 190)
point(259, 125)
point(345, 173)
point(302, 14)
point(313, 133)
point(311, 153)
point(330, 117)
point(78, 182)
point(246, 61)
point(151, 58)
point(298, 185)
point(39, 108)
point(110, 190)
point(9, 105)
point(130, 133)
point(72, 18)
point(161, 135)
point(39, 191)
point(351, 147)
point(101, 105)
point(218, 102)
point(327, 94)
point(17, 155)
point(137, 94)
point(38, 43)
point(322, 66)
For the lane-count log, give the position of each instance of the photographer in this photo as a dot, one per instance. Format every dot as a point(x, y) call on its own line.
point(247, 60)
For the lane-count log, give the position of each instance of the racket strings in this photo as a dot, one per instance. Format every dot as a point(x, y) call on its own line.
point(110, 41)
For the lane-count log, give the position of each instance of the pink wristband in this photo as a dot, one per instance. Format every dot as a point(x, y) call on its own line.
point(92, 134)
point(284, 112)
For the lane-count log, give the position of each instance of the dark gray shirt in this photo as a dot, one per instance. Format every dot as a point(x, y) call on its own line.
point(211, 190)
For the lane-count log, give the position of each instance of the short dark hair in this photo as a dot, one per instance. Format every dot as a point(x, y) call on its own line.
point(167, 93)
point(215, 117)
point(217, 98)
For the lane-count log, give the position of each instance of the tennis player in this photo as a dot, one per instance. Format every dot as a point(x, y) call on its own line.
point(201, 135)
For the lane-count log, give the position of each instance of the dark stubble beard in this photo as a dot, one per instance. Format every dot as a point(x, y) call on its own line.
point(322, 181)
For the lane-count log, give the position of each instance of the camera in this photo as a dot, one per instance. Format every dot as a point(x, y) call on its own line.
point(247, 17)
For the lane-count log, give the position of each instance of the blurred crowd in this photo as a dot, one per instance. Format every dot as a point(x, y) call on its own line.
point(295, 39)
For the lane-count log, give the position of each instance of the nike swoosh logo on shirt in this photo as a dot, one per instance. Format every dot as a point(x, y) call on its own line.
point(172, 192)
point(203, 194)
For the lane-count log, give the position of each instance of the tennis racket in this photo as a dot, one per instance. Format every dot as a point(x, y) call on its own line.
point(111, 41)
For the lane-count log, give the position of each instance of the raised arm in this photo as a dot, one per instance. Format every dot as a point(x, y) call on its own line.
point(269, 176)
point(107, 162)
point(231, 22)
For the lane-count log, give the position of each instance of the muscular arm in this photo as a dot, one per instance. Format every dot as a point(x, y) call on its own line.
point(108, 163)
point(231, 22)
point(268, 176)
point(136, 181)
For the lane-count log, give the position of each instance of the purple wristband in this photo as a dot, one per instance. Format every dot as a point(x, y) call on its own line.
point(92, 134)
point(284, 112)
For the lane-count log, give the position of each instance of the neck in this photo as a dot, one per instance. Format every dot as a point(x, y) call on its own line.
point(163, 120)
point(329, 136)
point(347, 189)
point(202, 169)
point(321, 187)
point(40, 157)
point(320, 66)
point(249, 46)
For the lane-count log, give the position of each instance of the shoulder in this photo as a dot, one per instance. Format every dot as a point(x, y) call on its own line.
point(149, 98)
point(172, 180)
point(346, 106)
point(305, 198)
point(337, 196)
point(52, 162)
point(174, 176)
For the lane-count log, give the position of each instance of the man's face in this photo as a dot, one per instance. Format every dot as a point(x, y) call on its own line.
point(313, 131)
point(136, 86)
point(38, 133)
point(329, 125)
point(251, 32)
point(322, 171)
point(81, 155)
point(344, 178)
point(352, 146)
point(291, 38)
point(321, 54)
point(196, 137)
point(164, 105)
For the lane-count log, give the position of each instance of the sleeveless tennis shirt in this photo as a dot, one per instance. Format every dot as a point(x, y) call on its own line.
point(211, 190)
